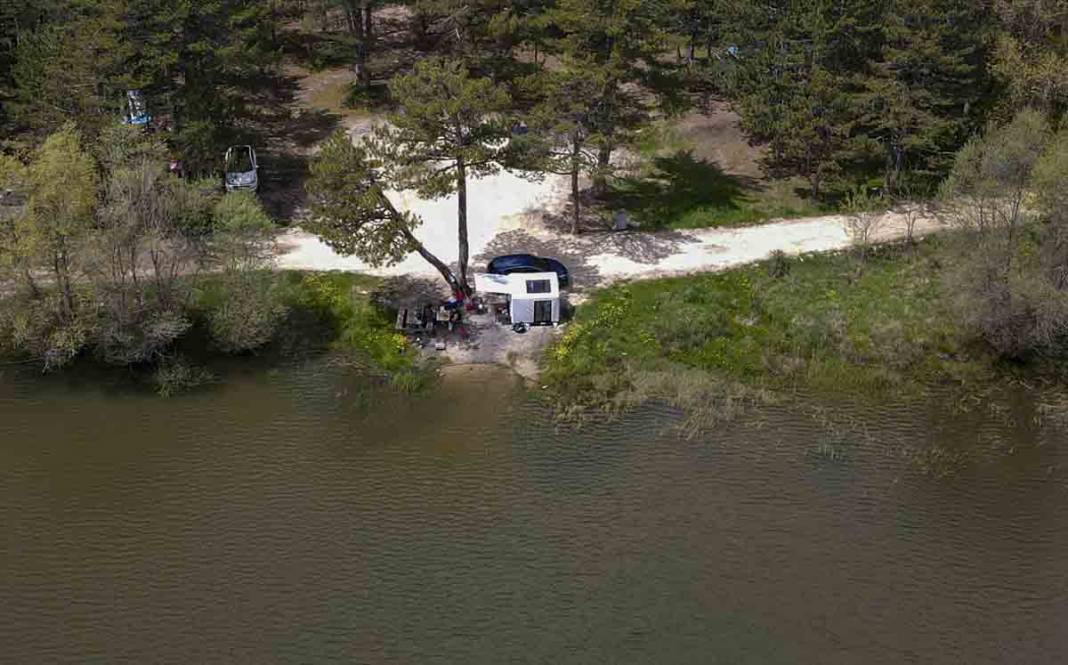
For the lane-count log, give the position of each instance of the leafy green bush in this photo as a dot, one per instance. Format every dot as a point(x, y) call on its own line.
point(360, 326)
point(249, 313)
point(30, 327)
point(240, 212)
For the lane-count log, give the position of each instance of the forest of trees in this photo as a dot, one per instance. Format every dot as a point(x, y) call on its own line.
point(847, 95)
point(883, 91)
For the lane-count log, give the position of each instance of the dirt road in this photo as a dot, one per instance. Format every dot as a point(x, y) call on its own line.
point(508, 215)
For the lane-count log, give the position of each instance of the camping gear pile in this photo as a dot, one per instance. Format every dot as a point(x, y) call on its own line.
point(426, 322)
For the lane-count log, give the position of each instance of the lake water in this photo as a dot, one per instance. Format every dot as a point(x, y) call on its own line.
point(288, 516)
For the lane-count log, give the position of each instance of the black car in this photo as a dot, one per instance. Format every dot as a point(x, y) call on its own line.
point(518, 263)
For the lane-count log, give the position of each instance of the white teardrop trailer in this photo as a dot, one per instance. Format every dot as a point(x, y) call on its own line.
point(531, 298)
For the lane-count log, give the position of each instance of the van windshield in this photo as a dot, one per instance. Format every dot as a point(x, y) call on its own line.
point(240, 161)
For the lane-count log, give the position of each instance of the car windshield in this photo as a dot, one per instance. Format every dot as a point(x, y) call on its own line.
point(239, 161)
point(136, 103)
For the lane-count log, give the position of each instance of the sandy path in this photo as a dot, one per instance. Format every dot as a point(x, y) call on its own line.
point(496, 205)
point(506, 215)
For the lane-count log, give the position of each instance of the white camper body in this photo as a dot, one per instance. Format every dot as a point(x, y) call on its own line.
point(533, 297)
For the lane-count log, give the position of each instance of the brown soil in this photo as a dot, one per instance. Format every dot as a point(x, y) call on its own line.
point(716, 135)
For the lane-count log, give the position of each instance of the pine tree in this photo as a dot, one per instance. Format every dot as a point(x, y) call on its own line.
point(71, 69)
point(617, 44)
point(794, 89)
point(563, 136)
point(197, 59)
point(359, 17)
point(482, 33)
point(860, 87)
point(1032, 55)
point(352, 214)
point(452, 127)
point(923, 90)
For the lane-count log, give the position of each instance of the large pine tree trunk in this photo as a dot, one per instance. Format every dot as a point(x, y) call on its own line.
point(600, 178)
point(369, 22)
point(461, 222)
point(358, 27)
point(446, 273)
point(416, 246)
point(367, 43)
point(576, 210)
point(895, 164)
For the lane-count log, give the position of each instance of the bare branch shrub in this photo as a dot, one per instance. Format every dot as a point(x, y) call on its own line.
point(863, 220)
point(1002, 288)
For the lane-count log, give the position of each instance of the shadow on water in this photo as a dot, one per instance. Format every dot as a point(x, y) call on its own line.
point(305, 336)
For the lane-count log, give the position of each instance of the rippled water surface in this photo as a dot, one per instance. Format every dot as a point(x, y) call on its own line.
point(285, 516)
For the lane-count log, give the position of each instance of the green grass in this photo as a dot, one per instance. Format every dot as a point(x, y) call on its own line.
point(678, 191)
point(361, 327)
point(375, 99)
point(673, 189)
point(356, 326)
point(829, 325)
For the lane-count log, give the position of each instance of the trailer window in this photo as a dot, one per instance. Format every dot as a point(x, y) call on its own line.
point(538, 286)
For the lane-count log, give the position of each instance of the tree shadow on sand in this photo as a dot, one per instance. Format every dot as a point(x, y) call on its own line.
point(409, 291)
point(678, 184)
point(284, 134)
point(575, 251)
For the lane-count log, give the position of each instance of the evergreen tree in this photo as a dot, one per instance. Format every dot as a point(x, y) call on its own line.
point(71, 69)
point(452, 126)
point(923, 90)
point(860, 87)
point(617, 44)
point(563, 137)
point(18, 19)
point(352, 214)
point(359, 18)
point(1032, 55)
point(794, 90)
point(484, 34)
point(198, 59)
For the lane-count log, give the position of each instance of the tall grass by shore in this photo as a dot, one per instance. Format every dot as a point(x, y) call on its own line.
point(825, 324)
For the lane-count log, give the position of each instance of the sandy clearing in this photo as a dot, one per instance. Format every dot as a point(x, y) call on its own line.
point(496, 205)
point(506, 214)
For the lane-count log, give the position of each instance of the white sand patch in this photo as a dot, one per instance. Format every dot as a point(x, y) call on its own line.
point(495, 205)
point(718, 249)
point(504, 214)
